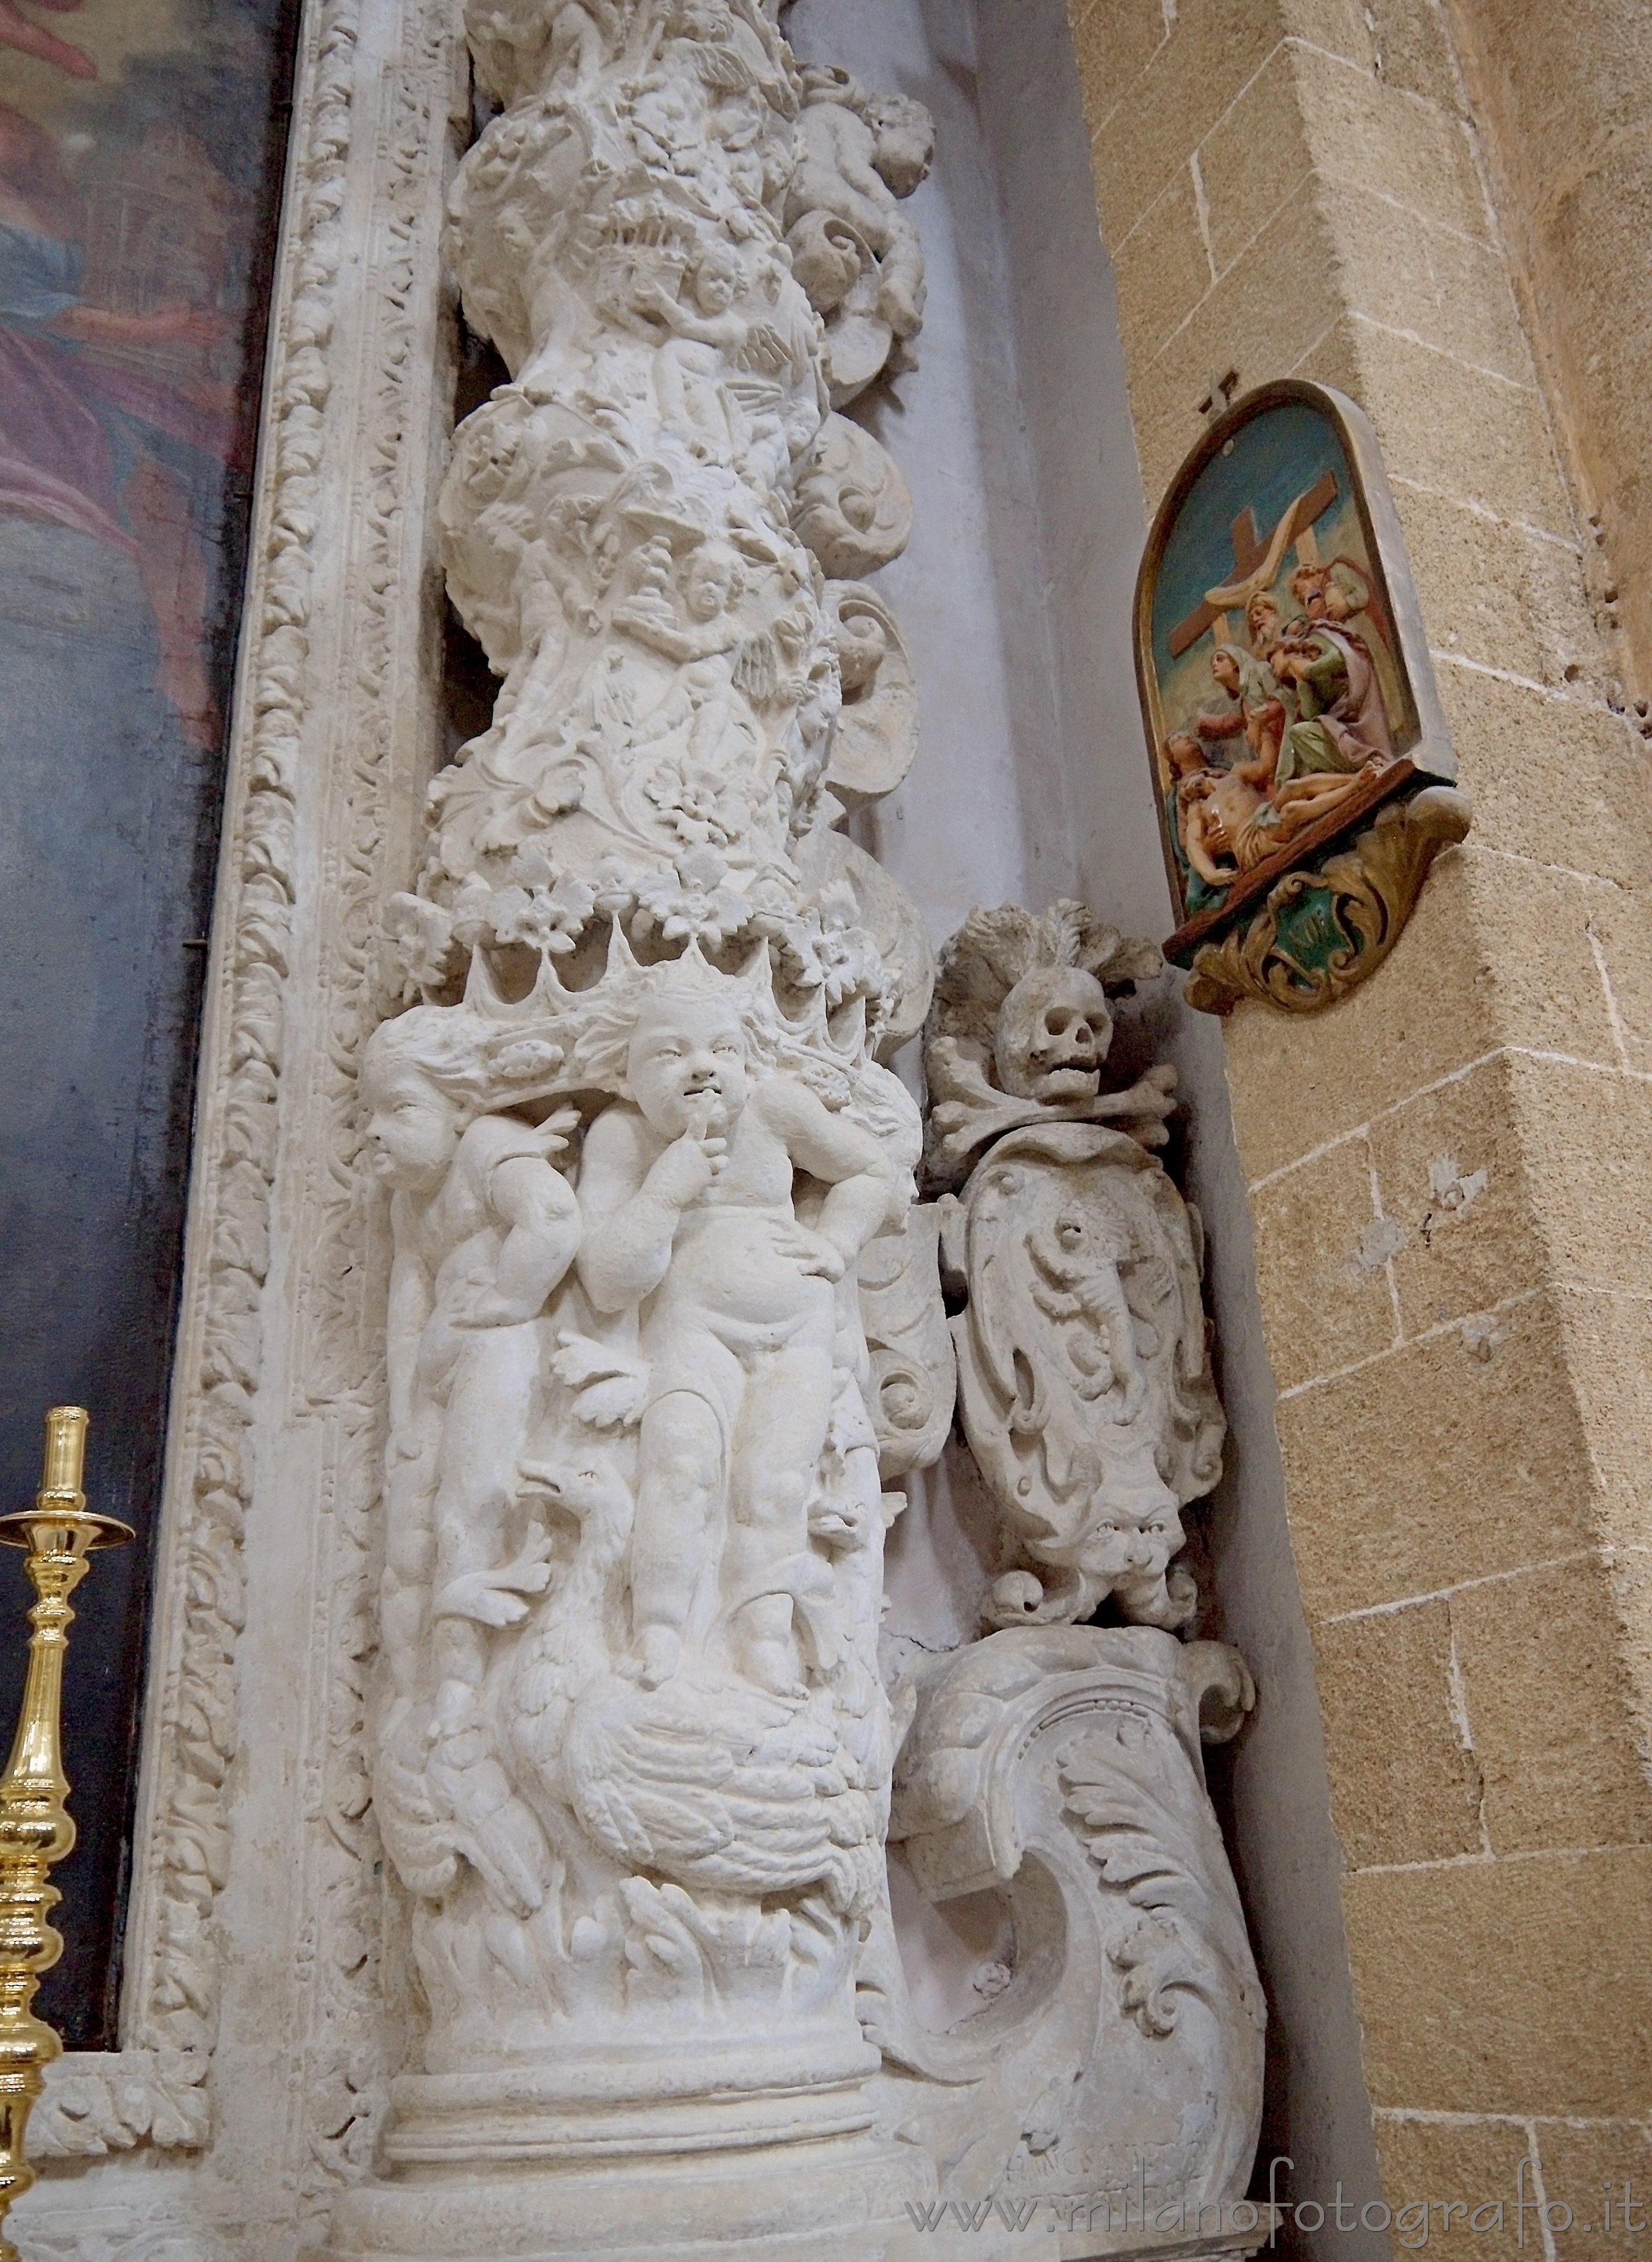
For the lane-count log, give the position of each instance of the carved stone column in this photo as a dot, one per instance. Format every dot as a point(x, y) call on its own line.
point(631, 1754)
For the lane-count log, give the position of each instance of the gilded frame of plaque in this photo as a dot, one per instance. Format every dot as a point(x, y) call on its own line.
point(1301, 766)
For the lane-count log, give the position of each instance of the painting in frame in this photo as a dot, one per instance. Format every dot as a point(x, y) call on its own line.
point(141, 154)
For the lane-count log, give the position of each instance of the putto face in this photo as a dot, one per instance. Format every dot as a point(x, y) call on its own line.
point(714, 287)
point(710, 582)
point(1053, 1032)
point(413, 1128)
point(686, 1066)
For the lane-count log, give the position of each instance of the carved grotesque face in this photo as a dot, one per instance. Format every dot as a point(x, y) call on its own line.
point(686, 1066)
point(1133, 1532)
point(1053, 1031)
point(413, 1128)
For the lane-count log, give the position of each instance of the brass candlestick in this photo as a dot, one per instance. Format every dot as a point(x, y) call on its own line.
point(35, 1829)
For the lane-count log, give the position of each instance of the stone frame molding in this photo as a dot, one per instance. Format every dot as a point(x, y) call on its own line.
point(336, 728)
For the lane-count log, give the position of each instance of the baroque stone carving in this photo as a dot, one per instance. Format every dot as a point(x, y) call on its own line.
point(913, 1379)
point(1022, 1030)
point(628, 1755)
point(321, 744)
point(853, 250)
point(1062, 1767)
point(101, 2101)
point(677, 1460)
point(1084, 1381)
point(156, 2092)
point(630, 1751)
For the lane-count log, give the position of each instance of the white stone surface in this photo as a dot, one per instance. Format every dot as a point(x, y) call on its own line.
point(631, 1751)
point(1084, 1378)
point(1062, 1768)
point(270, 1944)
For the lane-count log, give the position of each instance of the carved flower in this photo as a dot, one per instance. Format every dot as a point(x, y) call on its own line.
point(825, 947)
point(693, 901)
point(546, 917)
point(420, 937)
point(702, 807)
point(849, 962)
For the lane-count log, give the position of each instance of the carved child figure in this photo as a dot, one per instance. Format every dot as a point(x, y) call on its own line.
point(485, 1228)
point(686, 1188)
point(857, 155)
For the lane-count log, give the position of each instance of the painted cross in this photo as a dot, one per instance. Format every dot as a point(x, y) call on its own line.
point(1249, 551)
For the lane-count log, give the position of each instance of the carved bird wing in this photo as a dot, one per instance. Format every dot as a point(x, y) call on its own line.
point(708, 1784)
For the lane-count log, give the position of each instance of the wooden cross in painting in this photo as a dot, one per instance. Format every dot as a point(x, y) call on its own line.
point(1250, 549)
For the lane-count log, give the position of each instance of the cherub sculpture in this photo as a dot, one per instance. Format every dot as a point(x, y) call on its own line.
point(484, 1226)
point(853, 250)
point(686, 1189)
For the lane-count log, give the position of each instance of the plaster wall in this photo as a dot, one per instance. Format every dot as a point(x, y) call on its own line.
point(1447, 1174)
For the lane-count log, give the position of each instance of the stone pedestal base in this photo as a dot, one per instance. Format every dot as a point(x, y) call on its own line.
point(836, 2200)
point(859, 2200)
point(632, 2102)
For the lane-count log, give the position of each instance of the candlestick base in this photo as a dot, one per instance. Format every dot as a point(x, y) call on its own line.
point(59, 1532)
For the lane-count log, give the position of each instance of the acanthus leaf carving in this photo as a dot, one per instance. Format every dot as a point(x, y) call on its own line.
point(1322, 930)
point(99, 2101)
point(1061, 1767)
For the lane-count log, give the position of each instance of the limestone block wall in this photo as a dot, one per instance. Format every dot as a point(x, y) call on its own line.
point(1451, 1172)
point(1569, 144)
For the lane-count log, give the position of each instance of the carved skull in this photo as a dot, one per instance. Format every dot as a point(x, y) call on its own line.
point(1053, 1031)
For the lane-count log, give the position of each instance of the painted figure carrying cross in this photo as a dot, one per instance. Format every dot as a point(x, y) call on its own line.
point(1256, 564)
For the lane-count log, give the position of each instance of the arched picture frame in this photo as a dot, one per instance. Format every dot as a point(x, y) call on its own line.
point(1289, 705)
